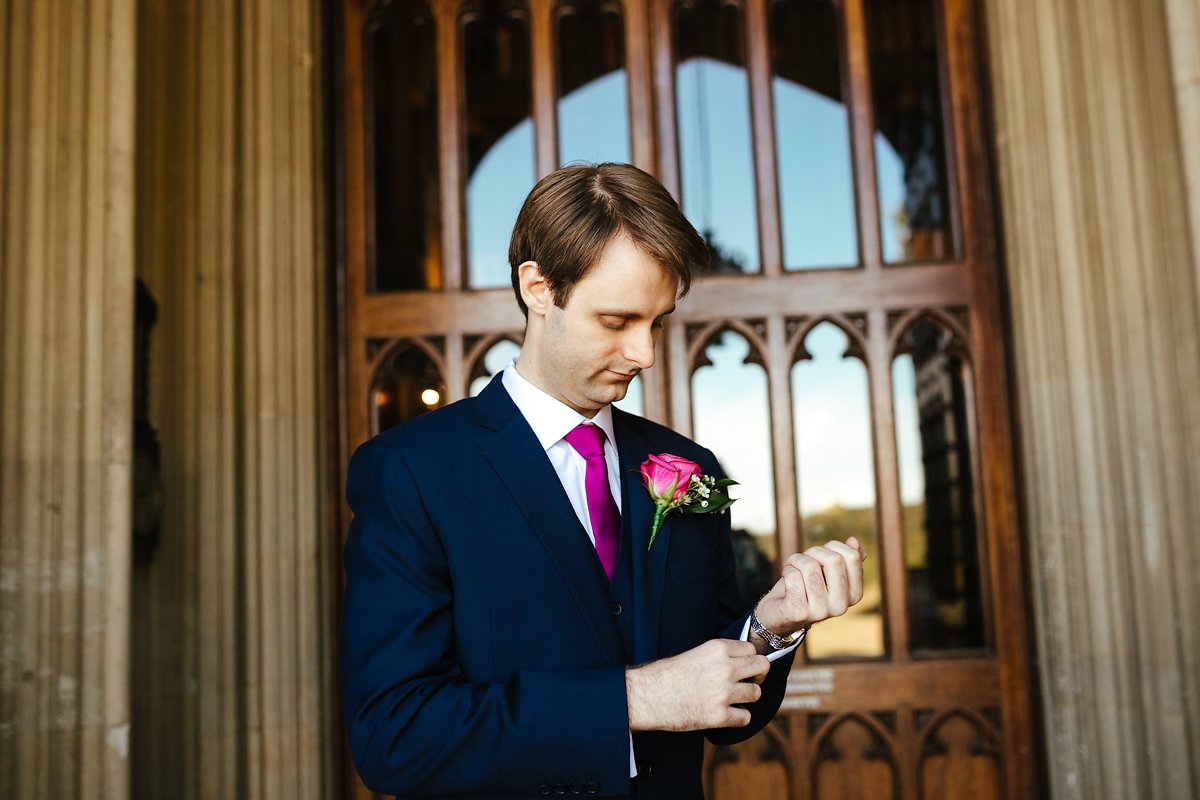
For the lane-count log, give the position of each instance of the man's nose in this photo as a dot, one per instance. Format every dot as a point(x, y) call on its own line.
point(639, 348)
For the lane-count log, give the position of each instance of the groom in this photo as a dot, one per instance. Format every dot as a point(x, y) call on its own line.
point(507, 629)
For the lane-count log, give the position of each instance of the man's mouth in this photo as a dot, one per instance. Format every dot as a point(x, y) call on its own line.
point(624, 376)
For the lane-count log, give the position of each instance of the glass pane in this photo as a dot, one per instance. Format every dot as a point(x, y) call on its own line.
point(835, 480)
point(593, 108)
point(933, 448)
point(731, 417)
point(494, 360)
point(910, 147)
point(712, 96)
point(406, 220)
point(812, 137)
point(499, 136)
point(407, 384)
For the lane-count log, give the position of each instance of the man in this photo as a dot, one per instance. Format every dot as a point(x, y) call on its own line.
point(508, 629)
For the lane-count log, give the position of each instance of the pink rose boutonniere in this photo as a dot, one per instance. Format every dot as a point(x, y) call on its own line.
point(675, 483)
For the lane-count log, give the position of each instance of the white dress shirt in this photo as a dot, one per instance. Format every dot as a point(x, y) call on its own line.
point(551, 420)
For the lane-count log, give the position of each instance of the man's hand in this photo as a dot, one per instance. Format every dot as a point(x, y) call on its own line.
point(820, 583)
point(696, 689)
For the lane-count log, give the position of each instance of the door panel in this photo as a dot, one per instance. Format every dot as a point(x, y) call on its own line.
point(844, 357)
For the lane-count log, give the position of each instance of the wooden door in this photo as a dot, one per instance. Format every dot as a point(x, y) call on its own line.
point(845, 357)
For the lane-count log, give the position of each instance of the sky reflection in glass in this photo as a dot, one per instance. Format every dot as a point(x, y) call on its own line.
point(908, 431)
point(494, 360)
point(832, 426)
point(713, 110)
point(816, 193)
point(495, 193)
point(835, 480)
point(816, 184)
point(593, 125)
point(893, 195)
point(730, 416)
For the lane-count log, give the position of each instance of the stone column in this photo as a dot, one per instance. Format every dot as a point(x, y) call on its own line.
point(1103, 307)
point(1183, 25)
point(66, 378)
point(233, 686)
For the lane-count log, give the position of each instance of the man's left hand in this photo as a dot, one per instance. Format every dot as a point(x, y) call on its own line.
point(820, 583)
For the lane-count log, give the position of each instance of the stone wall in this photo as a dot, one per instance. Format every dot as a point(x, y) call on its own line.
point(232, 680)
point(1096, 155)
point(66, 379)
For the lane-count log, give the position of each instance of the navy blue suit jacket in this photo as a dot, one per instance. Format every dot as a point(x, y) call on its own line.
point(479, 654)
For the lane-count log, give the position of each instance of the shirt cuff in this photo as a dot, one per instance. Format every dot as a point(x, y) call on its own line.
point(745, 638)
point(773, 656)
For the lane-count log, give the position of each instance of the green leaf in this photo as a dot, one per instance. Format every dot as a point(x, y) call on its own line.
point(726, 504)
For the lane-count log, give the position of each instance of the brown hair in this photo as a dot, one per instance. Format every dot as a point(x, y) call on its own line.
point(574, 212)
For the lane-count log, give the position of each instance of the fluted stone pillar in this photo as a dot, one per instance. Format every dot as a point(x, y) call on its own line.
point(66, 336)
point(233, 685)
point(1092, 159)
point(1183, 25)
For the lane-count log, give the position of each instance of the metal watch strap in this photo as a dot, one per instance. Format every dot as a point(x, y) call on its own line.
point(774, 640)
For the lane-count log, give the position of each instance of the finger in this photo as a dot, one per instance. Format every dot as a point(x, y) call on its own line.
point(793, 600)
point(739, 648)
point(806, 590)
point(854, 569)
point(754, 666)
point(745, 693)
point(794, 568)
point(737, 718)
point(862, 551)
point(815, 589)
point(837, 578)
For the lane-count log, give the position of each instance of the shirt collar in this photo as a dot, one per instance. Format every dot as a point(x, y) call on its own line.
point(550, 418)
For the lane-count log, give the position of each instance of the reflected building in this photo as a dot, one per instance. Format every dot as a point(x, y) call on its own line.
point(944, 567)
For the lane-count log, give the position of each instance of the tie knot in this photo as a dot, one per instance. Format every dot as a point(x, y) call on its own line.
point(588, 440)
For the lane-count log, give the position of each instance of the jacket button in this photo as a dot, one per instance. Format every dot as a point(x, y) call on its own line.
point(592, 787)
point(545, 789)
point(615, 608)
point(577, 788)
point(560, 788)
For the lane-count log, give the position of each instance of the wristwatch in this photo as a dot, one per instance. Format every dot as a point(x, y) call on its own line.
point(774, 640)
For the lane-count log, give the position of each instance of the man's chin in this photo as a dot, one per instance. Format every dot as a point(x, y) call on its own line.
point(610, 392)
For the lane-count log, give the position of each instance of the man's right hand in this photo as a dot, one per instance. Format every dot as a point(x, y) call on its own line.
point(696, 689)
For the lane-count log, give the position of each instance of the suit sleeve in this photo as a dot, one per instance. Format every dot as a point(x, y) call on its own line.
point(733, 618)
point(416, 725)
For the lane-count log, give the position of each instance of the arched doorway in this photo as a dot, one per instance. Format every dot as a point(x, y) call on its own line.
point(845, 359)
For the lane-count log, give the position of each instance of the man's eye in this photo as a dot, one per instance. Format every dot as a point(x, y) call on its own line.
point(618, 326)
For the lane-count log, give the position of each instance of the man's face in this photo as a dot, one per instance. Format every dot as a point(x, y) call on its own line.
point(589, 351)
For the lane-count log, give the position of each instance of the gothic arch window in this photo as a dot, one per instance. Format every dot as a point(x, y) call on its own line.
point(843, 356)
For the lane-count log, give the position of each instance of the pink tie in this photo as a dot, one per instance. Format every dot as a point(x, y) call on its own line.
point(588, 441)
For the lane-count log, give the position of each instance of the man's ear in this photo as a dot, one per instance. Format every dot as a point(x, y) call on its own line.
point(535, 289)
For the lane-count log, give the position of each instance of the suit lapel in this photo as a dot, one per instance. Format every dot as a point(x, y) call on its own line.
point(519, 460)
point(649, 566)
